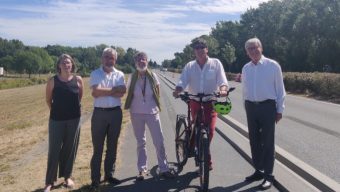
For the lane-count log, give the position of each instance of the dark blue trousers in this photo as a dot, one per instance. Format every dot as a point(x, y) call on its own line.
point(261, 127)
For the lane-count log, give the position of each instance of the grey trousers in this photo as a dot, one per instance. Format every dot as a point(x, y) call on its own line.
point(139, 121)
point(63, 142)
point(105, 124)
point(261, 128)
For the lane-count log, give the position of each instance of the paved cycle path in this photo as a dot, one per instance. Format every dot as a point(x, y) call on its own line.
point(230, 168)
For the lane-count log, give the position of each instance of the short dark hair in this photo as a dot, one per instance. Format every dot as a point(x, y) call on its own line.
point(199, 42)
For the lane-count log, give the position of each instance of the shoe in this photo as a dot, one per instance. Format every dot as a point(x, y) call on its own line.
point(94, 186)
point(112, 180)
point(266, 184)
point(69, 183)
point(141, 175)
point(48, 188)
point(167, 175)
point(191, 153)
point(257, 176)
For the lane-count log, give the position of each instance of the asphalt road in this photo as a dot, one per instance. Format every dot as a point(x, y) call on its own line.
point(309, 129)
point(230, 168)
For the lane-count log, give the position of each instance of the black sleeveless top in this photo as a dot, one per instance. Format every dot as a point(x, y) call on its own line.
point(65, 100)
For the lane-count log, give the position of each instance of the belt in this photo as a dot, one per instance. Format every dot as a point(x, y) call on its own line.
point(260, 102)
point(107, 109)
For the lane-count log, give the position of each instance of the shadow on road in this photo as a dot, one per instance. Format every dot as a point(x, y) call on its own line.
point(157, 184)
point(236, 187)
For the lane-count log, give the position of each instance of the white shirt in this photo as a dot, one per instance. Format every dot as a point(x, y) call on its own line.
point(206, 80)
point(102, 79)
point(263, 81)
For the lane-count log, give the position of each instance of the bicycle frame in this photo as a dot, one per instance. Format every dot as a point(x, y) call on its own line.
point(194, 129)
point(199, 120)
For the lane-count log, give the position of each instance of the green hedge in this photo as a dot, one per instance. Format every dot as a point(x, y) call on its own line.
point(325, 85)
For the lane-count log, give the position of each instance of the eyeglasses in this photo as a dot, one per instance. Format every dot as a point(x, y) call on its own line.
point(200, 47)
point(252, 48)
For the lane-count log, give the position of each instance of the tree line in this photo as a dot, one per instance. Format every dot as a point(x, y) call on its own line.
point(302, 35)
point(15, 57)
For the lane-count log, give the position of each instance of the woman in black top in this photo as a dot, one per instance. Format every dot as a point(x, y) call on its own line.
point(63, 95)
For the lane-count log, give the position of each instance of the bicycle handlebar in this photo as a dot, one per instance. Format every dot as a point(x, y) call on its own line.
point(186, 96)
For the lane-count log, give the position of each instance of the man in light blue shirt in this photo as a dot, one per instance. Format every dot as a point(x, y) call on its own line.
point(263, 94)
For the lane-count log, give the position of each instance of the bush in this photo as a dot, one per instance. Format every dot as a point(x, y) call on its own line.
point(125, 68)
point(8, 83)
point(324, 85)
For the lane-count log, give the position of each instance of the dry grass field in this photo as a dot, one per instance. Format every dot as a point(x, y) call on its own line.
point(24, 140)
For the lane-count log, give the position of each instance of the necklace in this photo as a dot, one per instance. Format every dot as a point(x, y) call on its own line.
point(143, 86)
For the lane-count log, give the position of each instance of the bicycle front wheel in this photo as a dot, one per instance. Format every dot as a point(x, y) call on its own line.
point(182, 141)
point(204, 161)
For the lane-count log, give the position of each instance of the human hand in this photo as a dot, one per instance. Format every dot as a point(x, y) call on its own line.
point(278, 117)
point(223, 93)
point(177, 91)
point(119, 89)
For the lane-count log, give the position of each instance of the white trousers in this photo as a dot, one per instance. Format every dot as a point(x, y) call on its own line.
point(153, 122)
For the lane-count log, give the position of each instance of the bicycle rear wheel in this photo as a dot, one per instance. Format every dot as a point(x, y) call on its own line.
point(204, 161)
point(182, 141)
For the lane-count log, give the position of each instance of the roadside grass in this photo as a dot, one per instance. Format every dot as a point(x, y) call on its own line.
point(24, 140)
point(14, 80)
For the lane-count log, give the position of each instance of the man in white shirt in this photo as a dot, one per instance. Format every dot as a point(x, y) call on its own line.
point(263, 94)
point(108, 86)
point(203, 75)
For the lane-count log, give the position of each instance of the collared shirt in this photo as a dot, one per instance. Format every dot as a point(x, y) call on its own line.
point(263, 81)
point(206, 80)
point(143, 104)
point(102, 79)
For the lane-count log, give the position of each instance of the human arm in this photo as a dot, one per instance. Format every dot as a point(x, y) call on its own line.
point(221, 80)
point(117, 91)
point(80, 86)
point(49, 90)
point(183, 81)
point(280, 91)
point(157, 83)
point(177, 91)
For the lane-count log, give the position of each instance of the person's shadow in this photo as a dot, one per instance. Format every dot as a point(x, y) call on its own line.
point(236, 187)
point(59, 186)
point(152, 183)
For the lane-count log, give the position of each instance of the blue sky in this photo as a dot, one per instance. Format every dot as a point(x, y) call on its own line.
point(160, 28)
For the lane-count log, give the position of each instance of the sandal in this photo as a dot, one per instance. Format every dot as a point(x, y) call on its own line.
point(48, 188)
point(69, 183)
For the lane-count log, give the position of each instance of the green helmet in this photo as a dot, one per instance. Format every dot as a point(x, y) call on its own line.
point(222, 108)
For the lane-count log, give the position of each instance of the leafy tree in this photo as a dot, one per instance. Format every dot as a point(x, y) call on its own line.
point(166, 63)
point(128, 57)
point(228, 55)
point(121, 56)
point(6, 62)
point(27, 61)
point(46, 64)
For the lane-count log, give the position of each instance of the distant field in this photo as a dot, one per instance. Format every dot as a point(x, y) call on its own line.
point(24, 139)
point(16, 80)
